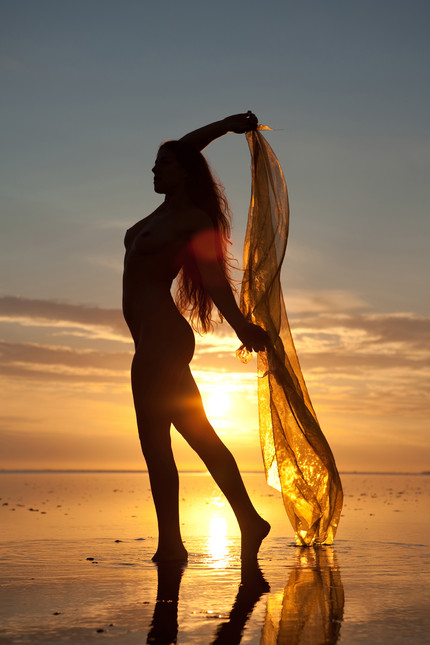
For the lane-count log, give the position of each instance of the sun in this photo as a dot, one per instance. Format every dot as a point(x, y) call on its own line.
point(218, 402)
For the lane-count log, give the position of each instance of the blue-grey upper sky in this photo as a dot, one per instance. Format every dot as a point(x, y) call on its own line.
point(90, 89)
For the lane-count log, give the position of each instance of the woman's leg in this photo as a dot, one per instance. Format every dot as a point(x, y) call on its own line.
point(190, 420)
point(151, 393)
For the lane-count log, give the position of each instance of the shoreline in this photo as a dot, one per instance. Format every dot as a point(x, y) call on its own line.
point(72, 471)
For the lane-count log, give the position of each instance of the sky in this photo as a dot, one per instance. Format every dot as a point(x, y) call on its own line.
point(90, 90)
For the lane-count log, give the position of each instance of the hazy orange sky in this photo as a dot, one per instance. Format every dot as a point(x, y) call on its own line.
point(90, 91)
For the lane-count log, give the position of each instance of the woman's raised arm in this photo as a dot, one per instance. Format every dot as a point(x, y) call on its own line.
point(238, 123)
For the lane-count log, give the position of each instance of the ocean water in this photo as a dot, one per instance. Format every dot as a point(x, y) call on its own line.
point(75, 565)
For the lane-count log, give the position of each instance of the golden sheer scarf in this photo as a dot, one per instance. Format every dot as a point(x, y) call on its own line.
point(297, 458)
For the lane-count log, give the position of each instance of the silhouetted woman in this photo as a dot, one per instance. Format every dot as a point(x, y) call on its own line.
point(186, 236)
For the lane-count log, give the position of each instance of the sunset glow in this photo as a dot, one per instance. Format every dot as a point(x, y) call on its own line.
point(85, 113)
point(218, 403)
point(67, 400)
point(323, 437)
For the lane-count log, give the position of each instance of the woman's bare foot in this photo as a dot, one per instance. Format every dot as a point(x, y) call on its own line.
point(252, 537)
point(170, 555)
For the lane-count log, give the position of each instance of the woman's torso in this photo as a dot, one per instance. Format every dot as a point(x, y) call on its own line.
point(153, 258)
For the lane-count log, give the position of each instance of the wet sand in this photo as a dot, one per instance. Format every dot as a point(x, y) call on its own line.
point(75, 565)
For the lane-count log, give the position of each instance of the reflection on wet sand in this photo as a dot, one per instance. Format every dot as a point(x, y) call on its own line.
point(310, 610)
point(164, 625)
point(218, 543)
point(252, 586)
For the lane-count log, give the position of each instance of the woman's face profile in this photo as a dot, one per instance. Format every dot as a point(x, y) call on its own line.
point(169, 175)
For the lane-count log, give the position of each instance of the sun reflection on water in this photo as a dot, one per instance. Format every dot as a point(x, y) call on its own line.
point(218, 543)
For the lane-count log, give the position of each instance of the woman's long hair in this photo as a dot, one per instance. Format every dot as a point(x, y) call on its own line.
point(208, 195)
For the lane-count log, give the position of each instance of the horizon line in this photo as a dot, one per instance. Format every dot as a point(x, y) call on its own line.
point(95, 471)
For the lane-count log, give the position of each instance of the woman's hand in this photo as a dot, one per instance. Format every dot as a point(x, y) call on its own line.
point(253, 337)
point(240, 123)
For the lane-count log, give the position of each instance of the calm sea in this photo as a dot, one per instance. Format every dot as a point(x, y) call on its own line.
point(75, 565)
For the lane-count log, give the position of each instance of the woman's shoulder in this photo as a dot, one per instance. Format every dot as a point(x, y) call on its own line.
point(198, 220)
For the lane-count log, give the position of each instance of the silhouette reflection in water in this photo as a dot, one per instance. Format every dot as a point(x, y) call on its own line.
point(252, 586)
point(164, 625)
point(310, 610)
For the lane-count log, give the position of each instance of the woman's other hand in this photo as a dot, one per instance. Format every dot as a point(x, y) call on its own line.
point(240, 123)
point(253, 337)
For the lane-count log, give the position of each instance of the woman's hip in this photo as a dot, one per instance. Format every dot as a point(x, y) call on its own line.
point(162, 353)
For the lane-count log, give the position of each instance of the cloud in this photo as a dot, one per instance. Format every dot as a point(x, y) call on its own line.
point(367, 374)
point(93, 321)
point(45, 355)
point(366, 365)
point(45, 363)
point(372, 340)
point(327, 341)
point(335, 300)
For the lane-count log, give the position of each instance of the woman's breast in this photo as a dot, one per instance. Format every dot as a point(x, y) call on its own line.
point(151, 264)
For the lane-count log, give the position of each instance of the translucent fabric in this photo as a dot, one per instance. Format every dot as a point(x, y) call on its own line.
point(297, 458)
point(310, 611)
